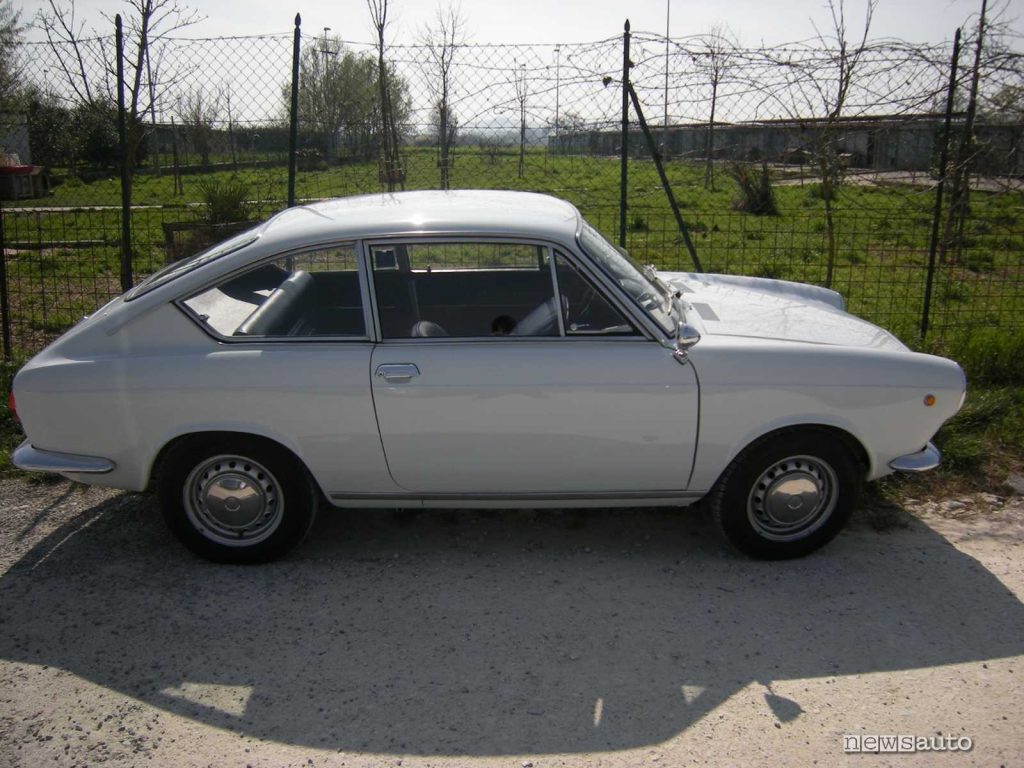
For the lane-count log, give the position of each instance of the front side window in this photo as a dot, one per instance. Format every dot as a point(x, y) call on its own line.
point(625, 272)
point(464, 289)
point(586, 312)
point(311, 294)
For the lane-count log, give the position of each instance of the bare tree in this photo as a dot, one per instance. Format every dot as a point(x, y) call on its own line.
point(845, 61)
point(819, 81)
point(391, 171)
point(519, 79)
point(145, 24)
point(713, 56)
point(825, 85)
point(199, 112)
point(68, 40)
point(10, 34)
point(995, 93)
point(444, 126)
point(441, 41)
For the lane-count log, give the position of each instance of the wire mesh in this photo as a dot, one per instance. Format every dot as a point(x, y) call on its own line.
point(209, 125)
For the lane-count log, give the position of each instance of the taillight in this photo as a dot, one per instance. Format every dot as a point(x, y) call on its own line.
point(12, 407)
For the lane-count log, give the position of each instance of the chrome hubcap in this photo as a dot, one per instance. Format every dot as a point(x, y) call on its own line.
point(233, 500)
point(792, 498)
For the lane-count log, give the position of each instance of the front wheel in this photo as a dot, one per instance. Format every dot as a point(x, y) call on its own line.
point(236, 501)
point(786, 495)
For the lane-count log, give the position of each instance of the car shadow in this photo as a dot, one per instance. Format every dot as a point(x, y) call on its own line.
point(487, 633)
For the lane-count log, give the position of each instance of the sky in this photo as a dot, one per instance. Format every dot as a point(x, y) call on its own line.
point(546, 21)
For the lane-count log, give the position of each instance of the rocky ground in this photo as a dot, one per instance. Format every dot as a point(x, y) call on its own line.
point(519, 639)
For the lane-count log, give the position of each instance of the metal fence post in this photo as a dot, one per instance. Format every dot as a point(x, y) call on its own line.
point(656, 157)
point(624, 171)
point(126, 180)
point(5, 306)
point(933, 245)
point(293, 116)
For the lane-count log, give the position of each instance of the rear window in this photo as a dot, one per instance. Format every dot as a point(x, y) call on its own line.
point(178, 268)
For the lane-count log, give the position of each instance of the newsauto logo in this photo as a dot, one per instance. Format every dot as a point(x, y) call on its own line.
point(890, 743)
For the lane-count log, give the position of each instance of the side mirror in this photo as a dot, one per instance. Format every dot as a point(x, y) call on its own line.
point(686, 339)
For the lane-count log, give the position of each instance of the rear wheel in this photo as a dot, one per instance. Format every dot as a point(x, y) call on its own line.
point(236, 500)
point(787, 495)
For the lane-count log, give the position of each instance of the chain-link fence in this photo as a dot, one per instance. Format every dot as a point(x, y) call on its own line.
point(805, 163)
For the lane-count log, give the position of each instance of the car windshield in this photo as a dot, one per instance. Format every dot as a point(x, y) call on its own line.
point(628, 275)
point(178, 268)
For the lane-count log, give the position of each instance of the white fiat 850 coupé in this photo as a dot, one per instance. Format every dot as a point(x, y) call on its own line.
point(474, 349)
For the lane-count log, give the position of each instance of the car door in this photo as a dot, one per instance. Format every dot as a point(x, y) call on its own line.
point(489, 381)
point(291, 363)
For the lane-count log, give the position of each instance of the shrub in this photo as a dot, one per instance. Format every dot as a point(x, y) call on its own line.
point(225, 201)
point(756, 194)
point(638, 224)
point(990, 356)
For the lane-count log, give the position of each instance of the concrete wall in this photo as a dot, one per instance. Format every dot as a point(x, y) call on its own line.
point(882, 145)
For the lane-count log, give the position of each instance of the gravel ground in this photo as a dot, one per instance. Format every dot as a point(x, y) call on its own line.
point(518, 639)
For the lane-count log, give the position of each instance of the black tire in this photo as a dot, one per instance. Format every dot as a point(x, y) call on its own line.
point(236, 499)
point(787, 494)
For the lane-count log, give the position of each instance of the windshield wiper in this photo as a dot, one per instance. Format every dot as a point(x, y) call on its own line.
point(673, 296)
point(666, 290)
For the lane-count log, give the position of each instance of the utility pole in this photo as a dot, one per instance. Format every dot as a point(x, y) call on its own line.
point(558, 82)
point(152, 113)
point(325, 50)
point(664, 125)
point(324, 86)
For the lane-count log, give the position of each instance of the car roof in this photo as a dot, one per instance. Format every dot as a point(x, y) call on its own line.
point(480, 212)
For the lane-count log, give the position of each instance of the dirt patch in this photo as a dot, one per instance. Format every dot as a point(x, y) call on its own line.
point(470, 638)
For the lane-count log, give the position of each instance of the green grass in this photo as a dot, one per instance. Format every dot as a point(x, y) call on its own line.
point(882, 240)
point(985, 441)
point(10, 431)
point(882, 232)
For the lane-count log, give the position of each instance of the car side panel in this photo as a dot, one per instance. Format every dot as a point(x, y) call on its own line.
point(532, 416)
point(125, 405)
point(752, 387)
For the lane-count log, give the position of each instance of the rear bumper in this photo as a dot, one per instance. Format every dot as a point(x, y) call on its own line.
point(922, 461)
point(28, 457)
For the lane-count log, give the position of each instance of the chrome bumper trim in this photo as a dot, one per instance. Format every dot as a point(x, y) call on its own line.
point(921, 461)
point(28, 457)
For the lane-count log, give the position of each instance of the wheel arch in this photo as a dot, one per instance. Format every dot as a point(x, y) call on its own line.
point(200, 437)
point(853, 444)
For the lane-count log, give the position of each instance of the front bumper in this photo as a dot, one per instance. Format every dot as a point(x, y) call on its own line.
point(28, 457)
point(922, 461)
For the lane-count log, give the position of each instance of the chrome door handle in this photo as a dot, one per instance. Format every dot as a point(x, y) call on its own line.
point(397, 372)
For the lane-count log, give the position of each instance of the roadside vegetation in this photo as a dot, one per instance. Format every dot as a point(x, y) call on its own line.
point(880, 267)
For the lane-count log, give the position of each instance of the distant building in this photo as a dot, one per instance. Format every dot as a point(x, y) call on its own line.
point(881, 143)
point(14, 137)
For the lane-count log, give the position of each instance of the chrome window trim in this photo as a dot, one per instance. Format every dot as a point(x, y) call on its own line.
point(365, 264)
point(512, 339)
point(143, 289)
point(180, 304)
point(641, 321)
point(558, 292)
point(652, 326)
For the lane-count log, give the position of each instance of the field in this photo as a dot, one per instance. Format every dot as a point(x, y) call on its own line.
point(63, 251)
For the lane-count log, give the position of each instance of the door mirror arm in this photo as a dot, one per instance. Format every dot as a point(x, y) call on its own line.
point(686, 339)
